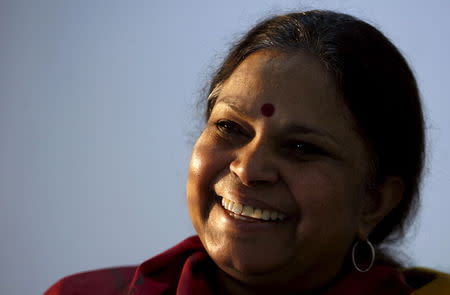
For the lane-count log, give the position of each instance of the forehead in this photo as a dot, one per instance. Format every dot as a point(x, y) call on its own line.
point(296, 84)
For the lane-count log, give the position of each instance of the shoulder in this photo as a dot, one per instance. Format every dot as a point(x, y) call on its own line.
point(153, 276)
point(104, 281)
point(427, 281)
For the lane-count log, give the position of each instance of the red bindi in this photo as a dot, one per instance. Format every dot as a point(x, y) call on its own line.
point(267, 110)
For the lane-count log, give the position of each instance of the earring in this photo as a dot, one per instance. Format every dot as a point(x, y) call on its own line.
point(372, 258)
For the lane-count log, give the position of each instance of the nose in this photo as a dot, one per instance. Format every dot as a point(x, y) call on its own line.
point(254, 164)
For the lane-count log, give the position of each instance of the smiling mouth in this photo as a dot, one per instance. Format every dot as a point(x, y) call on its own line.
point(249, 213)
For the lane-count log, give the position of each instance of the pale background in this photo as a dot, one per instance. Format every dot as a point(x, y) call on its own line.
point(97, 118)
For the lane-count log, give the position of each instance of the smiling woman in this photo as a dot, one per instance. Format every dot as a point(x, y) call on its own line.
point(309, 161)
point(313, 180)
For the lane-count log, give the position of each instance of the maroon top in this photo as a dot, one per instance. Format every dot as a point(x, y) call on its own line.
point(186, 268)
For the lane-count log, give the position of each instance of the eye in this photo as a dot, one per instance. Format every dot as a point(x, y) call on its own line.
point(300, 148)
point(228, 128)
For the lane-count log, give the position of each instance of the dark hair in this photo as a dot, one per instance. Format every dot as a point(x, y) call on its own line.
point(375, 83)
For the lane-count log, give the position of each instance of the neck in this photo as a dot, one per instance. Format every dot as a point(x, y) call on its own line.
point(226, 284)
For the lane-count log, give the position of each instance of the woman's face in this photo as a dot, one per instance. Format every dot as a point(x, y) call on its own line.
point(294, 172)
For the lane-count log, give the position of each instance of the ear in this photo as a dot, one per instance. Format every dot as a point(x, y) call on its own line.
point(378, 203)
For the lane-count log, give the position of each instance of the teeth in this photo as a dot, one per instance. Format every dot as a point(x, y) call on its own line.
point(273, 215)
point(237, 208)
point(229, 205)
point(225, 203)
point(265, 214)
point(257, 213)
point(246, 210)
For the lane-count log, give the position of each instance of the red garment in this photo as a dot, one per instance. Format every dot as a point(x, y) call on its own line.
point(185, 269)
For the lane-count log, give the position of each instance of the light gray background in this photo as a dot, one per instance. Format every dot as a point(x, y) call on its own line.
point(97, 102)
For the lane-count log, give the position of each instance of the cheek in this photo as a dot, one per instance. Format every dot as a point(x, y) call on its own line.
point(327, 198)
point(205, 165)
point(326, 213)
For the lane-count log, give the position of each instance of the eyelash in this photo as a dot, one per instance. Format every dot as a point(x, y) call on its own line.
point(303, 148)
point(228, 128)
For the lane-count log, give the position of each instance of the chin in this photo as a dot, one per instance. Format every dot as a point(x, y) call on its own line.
point(244, 257)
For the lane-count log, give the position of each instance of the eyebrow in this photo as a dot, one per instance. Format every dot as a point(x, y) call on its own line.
point(302, 129)
point(231, 102)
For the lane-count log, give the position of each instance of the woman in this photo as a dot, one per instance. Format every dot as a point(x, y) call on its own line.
point(310, 160)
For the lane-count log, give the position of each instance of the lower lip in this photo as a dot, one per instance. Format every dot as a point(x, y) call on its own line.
point(229, 220)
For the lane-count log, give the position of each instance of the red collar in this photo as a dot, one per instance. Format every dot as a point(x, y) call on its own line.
point(184, 269)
